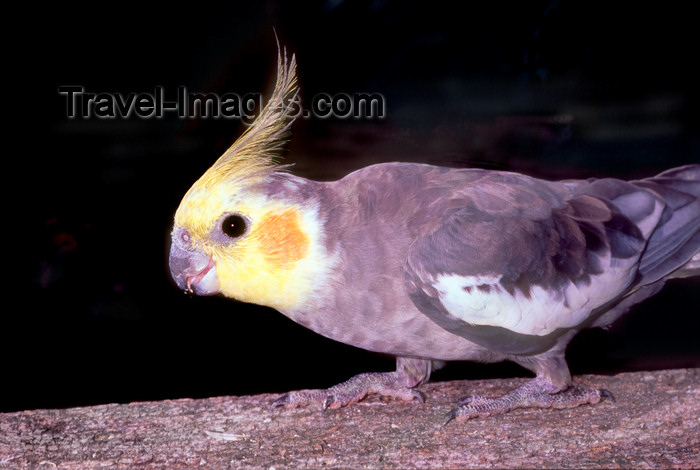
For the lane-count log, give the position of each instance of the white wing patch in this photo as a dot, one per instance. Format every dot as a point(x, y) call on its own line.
point(482, 300)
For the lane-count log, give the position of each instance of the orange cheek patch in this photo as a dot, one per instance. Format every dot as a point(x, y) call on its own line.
point(281, 239)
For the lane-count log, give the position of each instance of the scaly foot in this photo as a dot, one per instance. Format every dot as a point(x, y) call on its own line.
point(399, 384)
point(351, 391)
point(538, 393)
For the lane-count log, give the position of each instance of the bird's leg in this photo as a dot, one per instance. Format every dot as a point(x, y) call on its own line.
point(398, 384)
point(537, 393)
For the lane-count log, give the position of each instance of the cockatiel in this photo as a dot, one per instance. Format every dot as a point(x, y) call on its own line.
point(432, 264)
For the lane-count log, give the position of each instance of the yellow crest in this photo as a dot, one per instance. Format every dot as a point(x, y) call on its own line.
point(253, 154)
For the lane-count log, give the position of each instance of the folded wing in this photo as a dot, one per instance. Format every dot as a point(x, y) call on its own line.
point(511, 262)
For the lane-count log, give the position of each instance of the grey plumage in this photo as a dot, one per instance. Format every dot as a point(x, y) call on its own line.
point(433, 264)
point(564, 255)
point(466, 222)
point(554, 235)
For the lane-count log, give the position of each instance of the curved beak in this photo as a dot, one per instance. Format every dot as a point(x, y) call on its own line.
point(193, 271)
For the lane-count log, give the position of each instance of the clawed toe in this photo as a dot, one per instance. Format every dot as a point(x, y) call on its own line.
point(280, 402)
point(330, 402)
point(297, 399)
point(350, 392)
point(472, 400)
point(398, 384)
point(418, 396)
point(606, 394)
point(536, 393)
point(452, 414)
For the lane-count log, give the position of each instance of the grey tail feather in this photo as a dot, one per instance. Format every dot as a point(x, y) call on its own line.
point(676, 240)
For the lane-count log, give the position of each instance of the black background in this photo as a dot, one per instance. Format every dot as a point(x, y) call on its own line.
point(554, 89)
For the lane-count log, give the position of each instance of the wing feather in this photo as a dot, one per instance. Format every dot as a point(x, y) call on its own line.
point(520, 261)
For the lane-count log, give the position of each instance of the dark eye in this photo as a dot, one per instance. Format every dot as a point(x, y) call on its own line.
point(234, 226)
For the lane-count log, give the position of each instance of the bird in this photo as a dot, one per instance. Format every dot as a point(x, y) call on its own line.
point(431, 264)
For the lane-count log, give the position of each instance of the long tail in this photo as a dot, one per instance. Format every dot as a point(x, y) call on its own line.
point(673, 250)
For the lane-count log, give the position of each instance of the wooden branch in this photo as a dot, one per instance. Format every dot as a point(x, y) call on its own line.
point(653, 423)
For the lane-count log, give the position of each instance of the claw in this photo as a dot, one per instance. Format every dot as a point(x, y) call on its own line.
point(418, 396)
point(395, 384)
point(472, 400)
point(450, 416)
point(464, 401)
point(281, 401)
point(606, 394)
point(327, 402)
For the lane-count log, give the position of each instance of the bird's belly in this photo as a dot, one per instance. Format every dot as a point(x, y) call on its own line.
point(406, 332)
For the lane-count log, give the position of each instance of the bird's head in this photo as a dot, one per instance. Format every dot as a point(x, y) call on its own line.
point(232, 235)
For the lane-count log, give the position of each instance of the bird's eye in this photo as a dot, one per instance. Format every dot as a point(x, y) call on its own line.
point(234, 226)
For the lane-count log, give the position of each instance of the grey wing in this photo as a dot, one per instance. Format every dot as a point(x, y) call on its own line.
point(514, 279)
point(675, 243)
point(673, 238)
